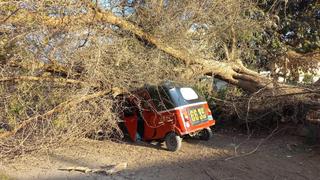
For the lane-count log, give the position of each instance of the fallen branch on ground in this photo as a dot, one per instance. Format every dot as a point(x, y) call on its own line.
point(255, 149)
point(115, 169)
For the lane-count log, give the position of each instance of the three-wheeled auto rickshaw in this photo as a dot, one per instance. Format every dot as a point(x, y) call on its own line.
point(166, 113)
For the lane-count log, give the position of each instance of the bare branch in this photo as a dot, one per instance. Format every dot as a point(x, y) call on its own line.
point(14, 12)
point(48, 79)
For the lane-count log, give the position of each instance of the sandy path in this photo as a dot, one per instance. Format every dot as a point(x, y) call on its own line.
point(278, 158)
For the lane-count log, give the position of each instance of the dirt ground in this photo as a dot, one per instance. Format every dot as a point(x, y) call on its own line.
point(281, 157)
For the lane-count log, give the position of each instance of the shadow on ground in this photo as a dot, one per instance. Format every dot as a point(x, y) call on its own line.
point(281, 157)
point(250, 167)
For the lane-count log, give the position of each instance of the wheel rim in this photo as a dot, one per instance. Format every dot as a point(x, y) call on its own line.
point(173, 142)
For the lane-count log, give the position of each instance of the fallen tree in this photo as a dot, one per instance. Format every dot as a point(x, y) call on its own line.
point(268, 97)
point(233, 71)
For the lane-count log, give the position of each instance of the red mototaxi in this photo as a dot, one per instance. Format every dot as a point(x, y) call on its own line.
point(167, 113)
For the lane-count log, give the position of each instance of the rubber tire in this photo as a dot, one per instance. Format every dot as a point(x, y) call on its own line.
point(173, 141)
point(206, 134)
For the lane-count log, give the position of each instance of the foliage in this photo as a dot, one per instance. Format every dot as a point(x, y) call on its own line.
point(289, 26)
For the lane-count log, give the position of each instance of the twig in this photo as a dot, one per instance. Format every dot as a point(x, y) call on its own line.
point(208, 174)
point(237, 146)
point(298, 93)
point(14, 12)
point(248, 108)
point(221, 100)
point(256, 148)
point(50, 79)
point(89, 32)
